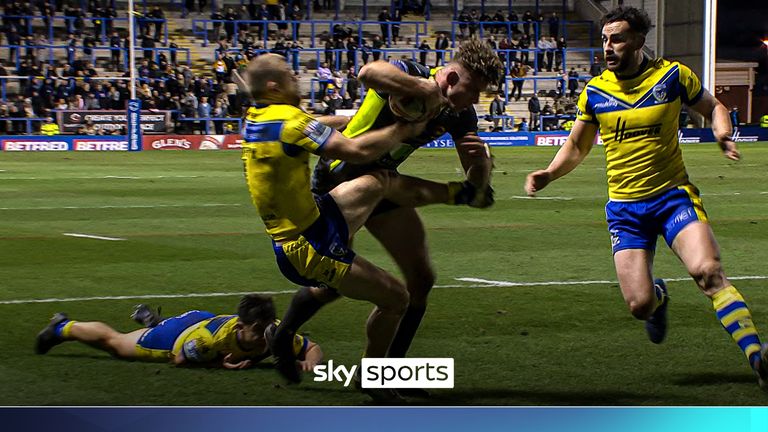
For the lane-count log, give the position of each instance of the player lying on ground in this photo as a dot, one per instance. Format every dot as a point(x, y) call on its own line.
point(192, 338)
point(311, 234)
point(453, 88)
point(635, 105)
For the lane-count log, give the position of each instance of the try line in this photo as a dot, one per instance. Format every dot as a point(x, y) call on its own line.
point(477, 283)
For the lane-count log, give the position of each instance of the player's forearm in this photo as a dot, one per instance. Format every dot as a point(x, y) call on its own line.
point(566, 160)
point(337, 122)
point(387, 78)
point(721, 123)
point(371, 145)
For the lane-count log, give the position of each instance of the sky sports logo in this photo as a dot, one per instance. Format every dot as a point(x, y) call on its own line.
point(391, 373)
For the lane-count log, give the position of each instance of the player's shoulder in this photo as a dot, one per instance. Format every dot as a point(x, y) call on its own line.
point(411, 67)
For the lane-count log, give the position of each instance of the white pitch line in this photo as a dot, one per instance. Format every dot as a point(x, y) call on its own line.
point(495, 283)
point(121, 206)
point(553, 198)
point(95, 237)
point(484, 283)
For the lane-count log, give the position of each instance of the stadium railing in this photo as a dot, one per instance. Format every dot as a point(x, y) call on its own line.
point(537, 4)
point(507, 122)
point(484, 27)
point(69, 22)
point(200, 28)
point(19, 57)
point(510, 56)
point(28, 124)
point(204, 123)
point(536, 79)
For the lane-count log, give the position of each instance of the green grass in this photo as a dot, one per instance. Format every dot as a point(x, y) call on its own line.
point(537, 345)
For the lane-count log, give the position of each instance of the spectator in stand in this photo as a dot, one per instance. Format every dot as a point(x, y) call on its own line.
point(551, 48)
point(473, 22)
point(441, 44)
point(89, 42)
point(378, 45)
point(423, 51)
point(328, 51)
point(596, 68)
point(148, 45)
point(534, 109)
point(384, 23)
point(201, 4)
point(204, 112)
point(491, 41)
point(71, 49)
point(295, 48)
point(115, 52)
point(217, 16)
point(296, 15)
point(365, 52)
point(554, 25)
point(527, 21)
point(352, 48)
point(496, 109)
point(229, 23)
point(523, 126)
point(353, 87)
point(338, 49)
point(49, 127)
point(219, 112)
point(397, 18)
point(524, 45)
point(324, 77)
point(562, 45)
point(500, 27)
point(542, 46)
point(573, 82)
point(331, 102)
point(173, 47)
point(158, 14)
point(463, 23)
point(519, 71)
point(282, 27)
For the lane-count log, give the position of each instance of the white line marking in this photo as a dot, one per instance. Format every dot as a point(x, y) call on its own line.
point(553, 198)
point(495, 283)
point(121, 206)
point(483, 283)
point(95, 237)
point(110, 177)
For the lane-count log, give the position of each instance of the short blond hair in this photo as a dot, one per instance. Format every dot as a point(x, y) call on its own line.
point(479, 58)
point(263, 69)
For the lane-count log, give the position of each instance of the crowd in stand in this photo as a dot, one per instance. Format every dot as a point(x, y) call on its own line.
point(166, 85)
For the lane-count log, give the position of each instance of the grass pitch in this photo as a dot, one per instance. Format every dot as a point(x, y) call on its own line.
point(190, 232)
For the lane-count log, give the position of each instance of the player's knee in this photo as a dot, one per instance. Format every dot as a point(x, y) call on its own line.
point(397, 300)
point(708, 274)
point(420, 284)
point(641, 307)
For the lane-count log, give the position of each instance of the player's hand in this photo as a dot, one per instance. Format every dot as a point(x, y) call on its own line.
point(474, 146)
point(229, 364)
point(537, 181)
point(305, 366)
point(730, 150)
point(434, 100)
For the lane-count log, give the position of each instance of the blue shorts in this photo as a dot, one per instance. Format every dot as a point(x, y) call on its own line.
point(321, 255)
point(637, 224)
point(158, 341)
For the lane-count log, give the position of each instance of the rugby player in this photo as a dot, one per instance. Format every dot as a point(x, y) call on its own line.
point(635, 105)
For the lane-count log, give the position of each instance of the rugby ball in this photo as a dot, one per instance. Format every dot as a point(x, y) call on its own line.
point(408, 108)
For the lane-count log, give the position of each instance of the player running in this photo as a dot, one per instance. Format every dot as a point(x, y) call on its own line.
point(635, 106)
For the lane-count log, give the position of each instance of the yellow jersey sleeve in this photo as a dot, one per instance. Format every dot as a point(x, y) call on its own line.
point(304, 131)
point(300, 346)
point(585, 112)
point(690, 86)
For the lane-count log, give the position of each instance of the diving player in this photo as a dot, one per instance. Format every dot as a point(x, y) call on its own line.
point(194, 337)
point(635, 105)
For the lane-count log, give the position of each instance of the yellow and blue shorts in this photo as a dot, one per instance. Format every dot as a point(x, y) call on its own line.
point(321, 255)
point(637, 224)
point(157, 342)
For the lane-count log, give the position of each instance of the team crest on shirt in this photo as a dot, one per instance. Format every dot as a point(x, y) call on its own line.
point(660, 93)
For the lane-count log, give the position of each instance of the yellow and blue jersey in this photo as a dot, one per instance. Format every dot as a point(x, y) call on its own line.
point(638, 119)
point(202, 337)
point(277, 141)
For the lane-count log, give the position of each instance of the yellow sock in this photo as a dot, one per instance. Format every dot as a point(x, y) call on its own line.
point(734, 315)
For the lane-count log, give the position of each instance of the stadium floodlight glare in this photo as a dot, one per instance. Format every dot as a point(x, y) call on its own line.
point(765, 42)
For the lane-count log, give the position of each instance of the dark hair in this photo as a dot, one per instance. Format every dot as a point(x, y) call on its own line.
point(256, 308)
point(637, 19)
point(479, 58)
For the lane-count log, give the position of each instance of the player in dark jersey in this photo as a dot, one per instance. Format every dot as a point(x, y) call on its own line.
point(451, 91)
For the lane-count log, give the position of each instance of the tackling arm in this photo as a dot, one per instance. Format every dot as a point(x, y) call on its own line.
point(573, 152)
point(714, 111)
point(388, 78)
point(370, 145)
